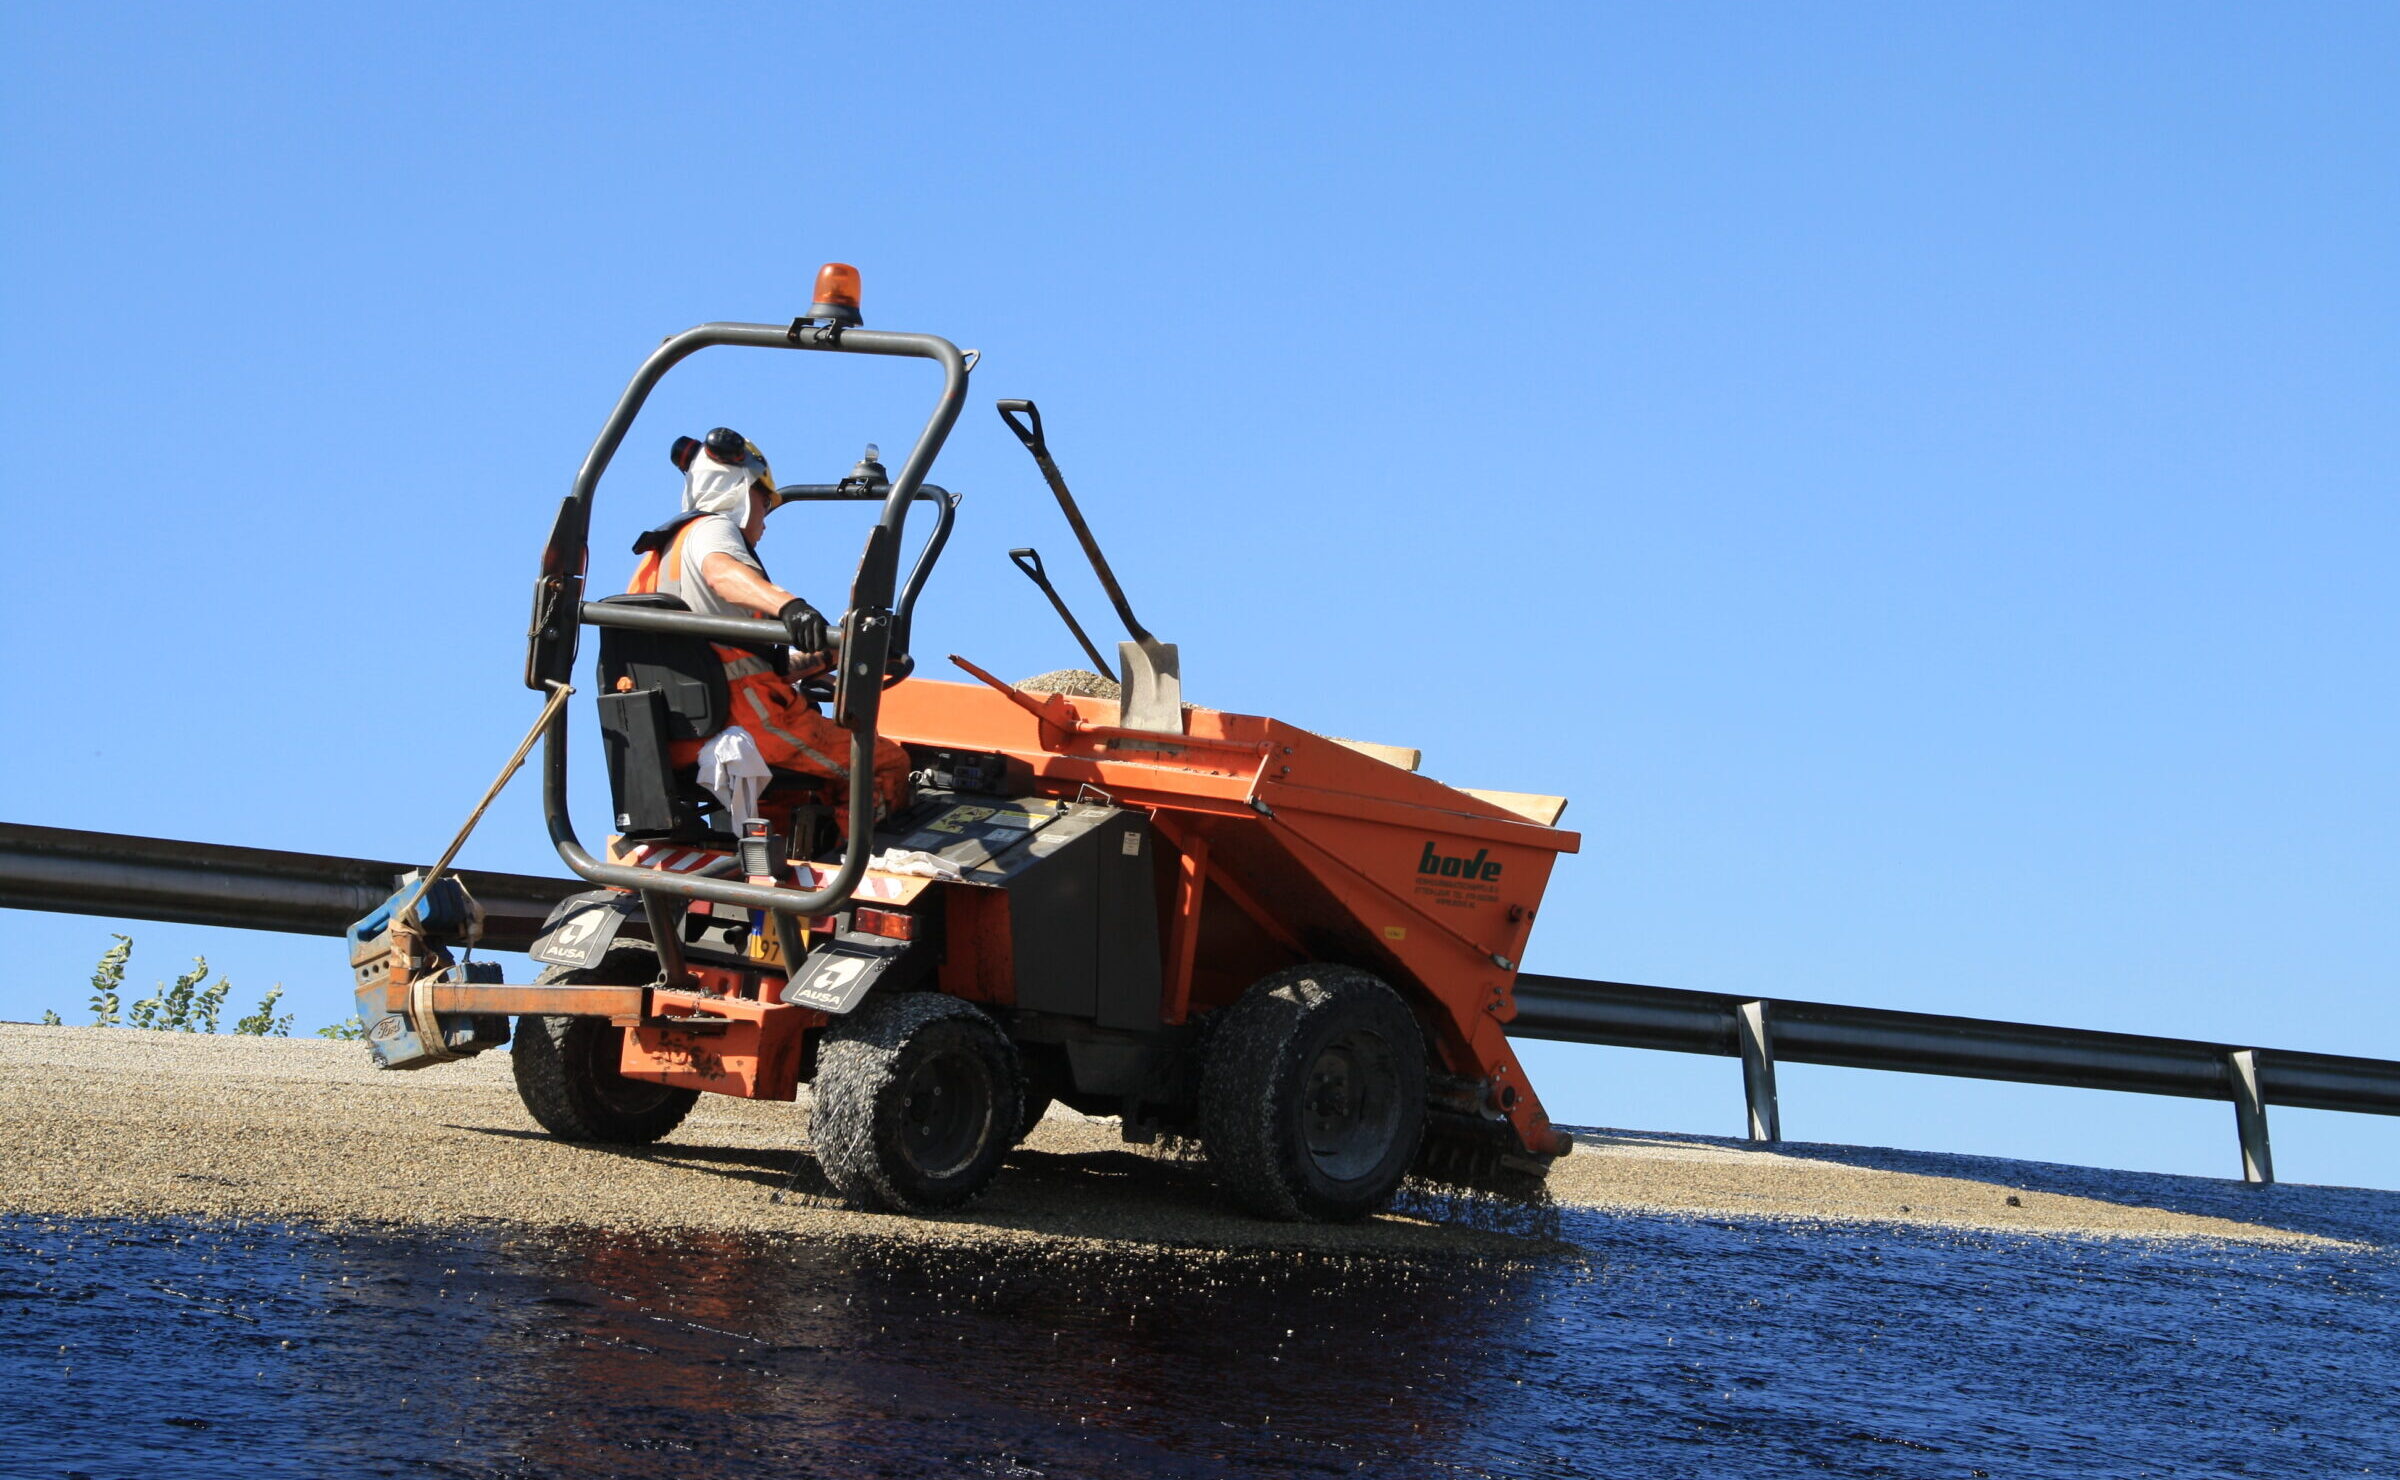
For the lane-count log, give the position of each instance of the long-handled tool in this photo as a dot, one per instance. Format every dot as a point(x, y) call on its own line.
point(559, 694)
point(1153, 670)
point(1030, 562)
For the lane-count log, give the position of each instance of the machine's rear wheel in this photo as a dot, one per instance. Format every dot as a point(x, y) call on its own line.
point(566, 1067)
point(917, 1098)
point(1312, 1094)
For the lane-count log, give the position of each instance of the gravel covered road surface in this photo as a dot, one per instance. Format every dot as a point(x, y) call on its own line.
point(120, 1122)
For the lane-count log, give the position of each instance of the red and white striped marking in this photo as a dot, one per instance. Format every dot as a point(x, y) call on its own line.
point(673, 860)
point(878, 886)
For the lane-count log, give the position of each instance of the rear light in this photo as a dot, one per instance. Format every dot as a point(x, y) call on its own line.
point(890, 924)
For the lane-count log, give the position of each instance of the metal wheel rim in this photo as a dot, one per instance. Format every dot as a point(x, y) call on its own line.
point(622, 1095)
point(1350, 1104)
point(629, 1096)
point(945, 1113)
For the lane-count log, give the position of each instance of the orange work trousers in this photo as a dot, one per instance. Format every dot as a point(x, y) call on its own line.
point(793, 736)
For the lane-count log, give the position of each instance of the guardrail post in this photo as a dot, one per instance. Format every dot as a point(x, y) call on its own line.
point(1758, 1071)
point(2250, 1116)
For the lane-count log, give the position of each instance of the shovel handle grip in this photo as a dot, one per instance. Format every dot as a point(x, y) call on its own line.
point(1030, 435)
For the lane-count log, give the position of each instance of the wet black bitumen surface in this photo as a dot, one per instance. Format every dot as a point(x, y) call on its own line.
point(1654, 1347)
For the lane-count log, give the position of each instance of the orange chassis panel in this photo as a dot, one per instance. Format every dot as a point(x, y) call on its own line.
point(718, 1041)
point(1322, 851)
point(1288, 847)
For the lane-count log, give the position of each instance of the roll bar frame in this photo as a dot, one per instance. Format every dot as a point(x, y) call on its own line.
point(945, 514)
point(872, 631)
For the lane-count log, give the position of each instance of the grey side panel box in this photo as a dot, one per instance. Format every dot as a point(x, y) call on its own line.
point(1054, 914)
point(1127, 962)
point(1083, 914)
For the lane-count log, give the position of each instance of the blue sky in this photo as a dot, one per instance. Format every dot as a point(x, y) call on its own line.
point(1920, 479)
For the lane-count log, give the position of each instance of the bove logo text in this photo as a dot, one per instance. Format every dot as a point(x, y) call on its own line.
point(1478, 868)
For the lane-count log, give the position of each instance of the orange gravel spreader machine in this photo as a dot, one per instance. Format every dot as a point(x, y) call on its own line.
point(1218, 926)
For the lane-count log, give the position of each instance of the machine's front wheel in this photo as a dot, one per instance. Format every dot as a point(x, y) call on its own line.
point(917, 1098)
point(1312, 1094)
point(1036, 1106)
point(566, 1067)
point(1046, 1074)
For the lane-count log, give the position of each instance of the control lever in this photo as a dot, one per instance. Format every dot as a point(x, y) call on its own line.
point(1030, 562)
point(1152, 687)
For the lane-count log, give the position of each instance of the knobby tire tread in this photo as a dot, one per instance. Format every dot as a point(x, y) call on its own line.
point(858, 1063)
point(551, 1058)
point(1250, 1082)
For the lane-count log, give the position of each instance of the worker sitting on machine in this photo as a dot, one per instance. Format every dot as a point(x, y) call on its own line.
point(707, 557)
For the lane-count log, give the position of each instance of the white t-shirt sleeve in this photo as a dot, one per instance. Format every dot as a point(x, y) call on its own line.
point(714, 534)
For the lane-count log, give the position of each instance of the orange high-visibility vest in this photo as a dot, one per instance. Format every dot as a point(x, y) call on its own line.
point(757, 688)
point(654, 558)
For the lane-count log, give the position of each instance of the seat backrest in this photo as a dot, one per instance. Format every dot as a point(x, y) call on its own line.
point(685, 671)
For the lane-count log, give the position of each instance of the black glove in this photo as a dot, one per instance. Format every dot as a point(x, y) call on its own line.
point(806, 624)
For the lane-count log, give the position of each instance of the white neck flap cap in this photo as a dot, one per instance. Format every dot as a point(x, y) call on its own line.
point(710, 487)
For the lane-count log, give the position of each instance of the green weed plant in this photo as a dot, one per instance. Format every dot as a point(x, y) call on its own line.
point(186, 1006)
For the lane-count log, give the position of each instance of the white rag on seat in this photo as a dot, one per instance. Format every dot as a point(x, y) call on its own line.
point(735, 773)
point(917, 864)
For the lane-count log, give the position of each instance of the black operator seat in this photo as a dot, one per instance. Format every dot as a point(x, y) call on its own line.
point(657, 688)
point(690, 681)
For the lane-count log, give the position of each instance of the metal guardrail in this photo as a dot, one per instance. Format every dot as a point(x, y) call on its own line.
point(1760, 1031)
point(50, 868)
point(90, 873)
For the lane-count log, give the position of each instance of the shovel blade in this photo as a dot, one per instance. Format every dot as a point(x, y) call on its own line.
point(1153, 691)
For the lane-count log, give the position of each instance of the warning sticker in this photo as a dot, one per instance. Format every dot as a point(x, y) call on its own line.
point(958, 819)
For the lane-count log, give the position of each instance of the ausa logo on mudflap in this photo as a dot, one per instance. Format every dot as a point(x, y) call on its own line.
point(1478, 869)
